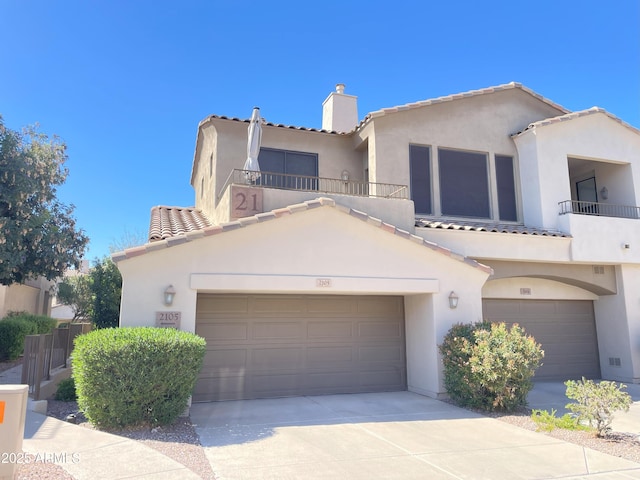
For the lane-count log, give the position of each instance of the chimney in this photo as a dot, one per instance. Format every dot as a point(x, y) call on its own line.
point(340, 111)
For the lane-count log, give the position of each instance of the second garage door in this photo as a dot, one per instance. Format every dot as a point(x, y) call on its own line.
point(566, 329)
point(262, 346)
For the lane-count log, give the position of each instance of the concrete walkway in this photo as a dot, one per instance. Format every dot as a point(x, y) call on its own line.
point(390, 435)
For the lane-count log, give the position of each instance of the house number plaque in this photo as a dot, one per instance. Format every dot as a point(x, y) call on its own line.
point(168, 319)
point(245, 201)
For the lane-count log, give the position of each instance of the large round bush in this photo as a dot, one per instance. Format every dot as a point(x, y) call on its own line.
point(135, 376)
point(489, 366)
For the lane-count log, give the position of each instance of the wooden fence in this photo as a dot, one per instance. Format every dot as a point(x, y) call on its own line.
point(47, 352)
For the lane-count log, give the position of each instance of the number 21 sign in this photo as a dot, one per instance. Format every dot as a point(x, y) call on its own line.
point(245, 201)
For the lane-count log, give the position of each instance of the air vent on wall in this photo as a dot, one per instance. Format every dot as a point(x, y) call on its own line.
point(614, 361)
point(598, 269)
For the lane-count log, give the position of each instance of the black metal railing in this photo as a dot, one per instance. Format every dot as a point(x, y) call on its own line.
point(599, 209)
point(307, 183)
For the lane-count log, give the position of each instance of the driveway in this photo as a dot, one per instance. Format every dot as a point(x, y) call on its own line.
point(384, 435)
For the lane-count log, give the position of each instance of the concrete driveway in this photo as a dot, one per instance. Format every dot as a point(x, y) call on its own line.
point(384, 435)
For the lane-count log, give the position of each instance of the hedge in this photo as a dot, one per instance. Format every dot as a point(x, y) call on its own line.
point(135, 376)
point(14, 328)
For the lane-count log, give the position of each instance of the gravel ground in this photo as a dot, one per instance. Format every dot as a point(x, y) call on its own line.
point(181, 443)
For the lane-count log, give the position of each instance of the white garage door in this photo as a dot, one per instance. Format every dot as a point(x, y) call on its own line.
point(566, 329)
point(262, 346)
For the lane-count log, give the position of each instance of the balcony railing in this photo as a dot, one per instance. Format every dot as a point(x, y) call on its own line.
point(599, 209)
point(306, 183)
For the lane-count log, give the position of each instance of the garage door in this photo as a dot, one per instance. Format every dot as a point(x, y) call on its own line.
point(566, 330)
point(262, 346)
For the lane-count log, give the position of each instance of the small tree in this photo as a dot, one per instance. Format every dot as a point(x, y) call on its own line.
point(77, 292)
point(39, 234)
point(95, 295)
point(597, 402)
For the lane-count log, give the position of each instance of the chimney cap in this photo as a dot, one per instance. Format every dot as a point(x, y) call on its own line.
point(340, 87)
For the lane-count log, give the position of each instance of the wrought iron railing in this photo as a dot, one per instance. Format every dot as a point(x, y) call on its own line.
point(307, 183)
point(599, 209)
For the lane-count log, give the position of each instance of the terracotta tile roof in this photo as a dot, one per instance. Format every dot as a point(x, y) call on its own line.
point(269, 124)
point(570, 116)
point(488, 227)
point(191, 235)
point(458, 96)
point(168, 222)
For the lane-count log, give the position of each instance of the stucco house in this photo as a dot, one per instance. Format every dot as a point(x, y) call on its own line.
point(31, 296)
point(342, 266)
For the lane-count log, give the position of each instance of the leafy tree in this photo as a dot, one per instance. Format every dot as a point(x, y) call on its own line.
point(107, 288)
point(39, 235)
point(77, 292)
point(95, 295)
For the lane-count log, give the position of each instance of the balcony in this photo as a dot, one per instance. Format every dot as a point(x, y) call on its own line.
point(303, 183)
point(599, 209)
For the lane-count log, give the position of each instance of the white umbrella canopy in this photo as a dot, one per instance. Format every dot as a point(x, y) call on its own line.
point(253, 146)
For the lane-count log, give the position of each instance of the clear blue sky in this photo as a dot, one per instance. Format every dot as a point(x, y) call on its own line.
point(125, 83)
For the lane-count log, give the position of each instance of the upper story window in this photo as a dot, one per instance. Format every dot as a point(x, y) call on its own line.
point(464, 184)
point(296, 168)
point(505, 182)
point(459, 184)
point(420, 160)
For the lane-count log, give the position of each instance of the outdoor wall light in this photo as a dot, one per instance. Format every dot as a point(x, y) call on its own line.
point(345, 175)
point(453, 300)
point(169, 293)
point(604, 193)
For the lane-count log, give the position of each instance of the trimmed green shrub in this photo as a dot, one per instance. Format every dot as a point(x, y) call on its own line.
point(489, 366)
point(15, 327)
point(66, 390)
point(135, 376)
point(596, 402)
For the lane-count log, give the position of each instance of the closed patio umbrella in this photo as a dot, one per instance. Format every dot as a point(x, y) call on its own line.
point(252, 166)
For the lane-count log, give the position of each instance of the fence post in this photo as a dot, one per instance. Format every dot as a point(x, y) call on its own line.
point(39, 367)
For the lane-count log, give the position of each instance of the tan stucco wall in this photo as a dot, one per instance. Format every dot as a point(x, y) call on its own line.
point(618, 326)
point(544, 151)
point(482, 123)
point(288, 254)
point(18, 298)
point(227, 141)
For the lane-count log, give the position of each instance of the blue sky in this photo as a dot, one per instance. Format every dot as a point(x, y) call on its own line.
point(125, 83)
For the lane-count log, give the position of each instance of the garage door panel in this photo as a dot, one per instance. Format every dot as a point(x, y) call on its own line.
point(333, 305)
point(564, 328)
point(381, 379)
point(381, 354)
point(327, 345)
point(223, 304)
point(323, 356)
point(381, 307)
point(277, 305)
point(330, 330)
point(279, 330)
point(379, 330)
point(229, 358)
point(223, 332)
point(276, 358)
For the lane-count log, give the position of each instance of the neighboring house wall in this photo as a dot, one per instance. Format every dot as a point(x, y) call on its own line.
point(32, 297)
